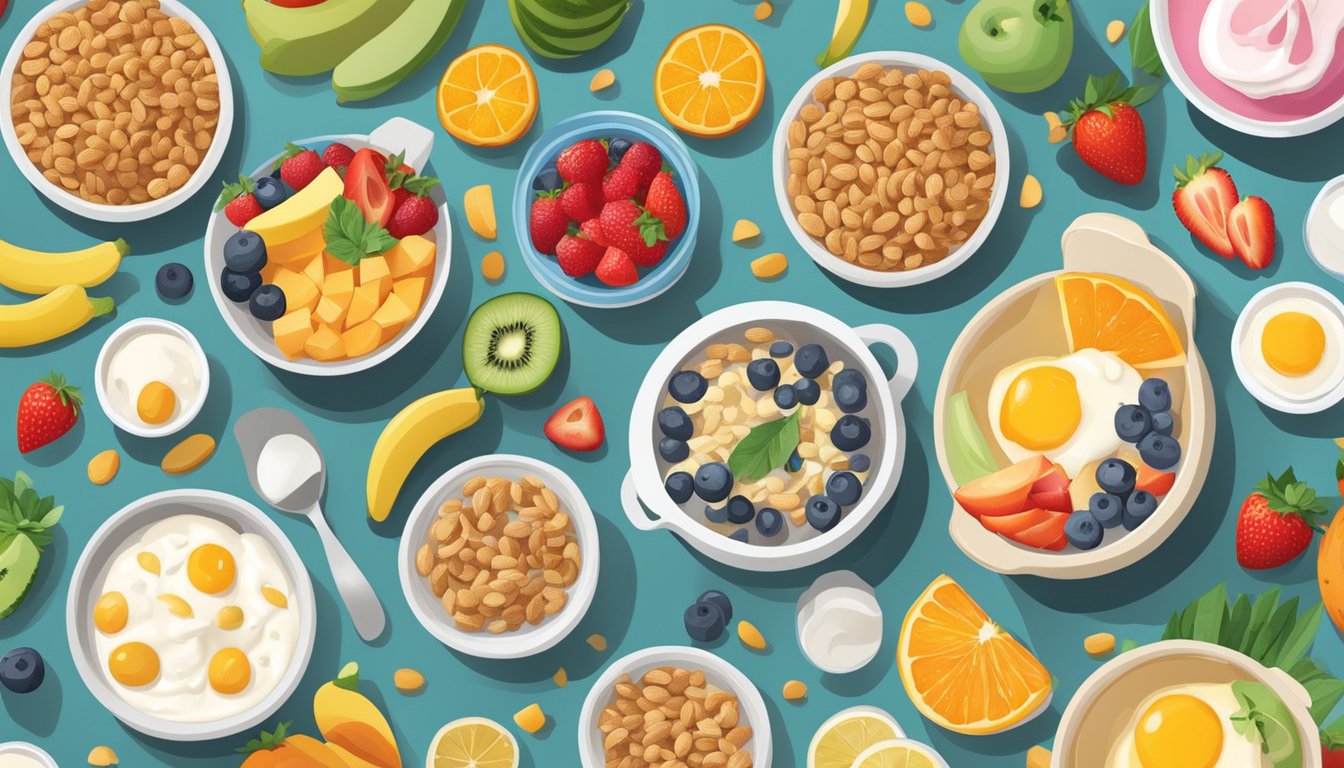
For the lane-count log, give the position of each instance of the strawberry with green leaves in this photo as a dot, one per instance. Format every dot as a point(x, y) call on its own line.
point(238, 202)
point(48, 409)
point(1277, 522)
point(1107, 130)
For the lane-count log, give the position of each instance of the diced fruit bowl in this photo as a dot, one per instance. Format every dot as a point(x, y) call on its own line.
point(640, 209)
point(340, 274)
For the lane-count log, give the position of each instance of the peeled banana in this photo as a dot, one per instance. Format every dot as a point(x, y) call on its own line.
point(850, 17)
point(65, 310)
point(412, 432)
point(36, 272)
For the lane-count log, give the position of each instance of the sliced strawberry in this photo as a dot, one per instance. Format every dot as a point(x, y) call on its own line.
point(1055, 501)
point(1251, 227)
point(577, 426)
point(1045, 535)
point(1010, 525)
point(1204, 198)
point(366, 184)
point(1054, 479)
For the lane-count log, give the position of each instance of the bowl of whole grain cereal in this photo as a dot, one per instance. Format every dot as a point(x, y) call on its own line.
point(499, 558)
point(767, 436)
point(890, 168)
point(116, 111)
point(695, 692)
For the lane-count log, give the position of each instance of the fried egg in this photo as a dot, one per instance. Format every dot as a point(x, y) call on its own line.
point(1292, 348)
point(1187, 726)
point(1062, 407)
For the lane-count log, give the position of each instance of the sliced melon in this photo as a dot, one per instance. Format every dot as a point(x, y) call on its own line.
point(18, 570)
point(567, 17)
point(314, 39)
point(394, 54)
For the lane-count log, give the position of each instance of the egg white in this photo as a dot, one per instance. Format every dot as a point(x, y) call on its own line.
point(1309, 386)
point(1238, 751)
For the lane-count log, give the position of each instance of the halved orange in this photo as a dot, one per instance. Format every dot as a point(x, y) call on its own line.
point(488, 96)
point(710, 81)
point(1114, 315)
point(962, 670)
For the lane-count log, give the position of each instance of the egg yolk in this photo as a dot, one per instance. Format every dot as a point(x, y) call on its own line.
point(1041, 409)
point(1293, 343)
point(156, 403)
point(110, 613)
point(230, 671)
point(133, 664)
point(211, 569)
point(1179, 731)
point(229, 617)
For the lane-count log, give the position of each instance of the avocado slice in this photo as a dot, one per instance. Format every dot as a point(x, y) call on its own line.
point(552, 45)
point(18, 570)
point(314, 39)
point(405, 46)
point(1266, 721)
point(574, 17)
point(968, 452)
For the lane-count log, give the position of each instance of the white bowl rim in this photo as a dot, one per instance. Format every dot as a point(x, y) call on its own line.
point(119, 213)
point(529, 640)
point(1239, 331)
point(752, 704)
point(138, 325)
point(860, 275)
point(28, 750)
point(1327, 189)
point(239, 514)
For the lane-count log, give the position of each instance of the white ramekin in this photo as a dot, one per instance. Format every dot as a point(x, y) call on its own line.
point(110, 347)
point(24, 749)
point(1259, 391)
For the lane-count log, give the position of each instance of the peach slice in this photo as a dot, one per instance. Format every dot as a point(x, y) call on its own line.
point(1004, 492)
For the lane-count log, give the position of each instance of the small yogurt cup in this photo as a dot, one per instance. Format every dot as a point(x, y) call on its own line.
point(114, 343)
point(1317, 217)
point(1258, 390)
point(838, 587)
point(24, 749)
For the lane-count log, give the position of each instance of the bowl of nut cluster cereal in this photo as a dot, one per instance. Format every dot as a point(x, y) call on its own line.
point(117, 110)
point(890, 168)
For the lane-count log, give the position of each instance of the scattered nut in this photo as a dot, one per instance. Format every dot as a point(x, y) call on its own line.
point(770, 266)
point(530, 718)
point(1114, 31)
point(408, 680)
point(598, 642)
point(479, 205)
point(745, 229)
point(673, 716)
point(795, 690)
point(1058, 132)
point(104, 466)
point(560, 678)
point(1038, 757)
point(492, 266)
point(1100, 644)
point(602, 79)
point(750, 636)
point(918, 14)
point(1031, 192)
point(188, 455)
point(102, 756)
point(763, 11)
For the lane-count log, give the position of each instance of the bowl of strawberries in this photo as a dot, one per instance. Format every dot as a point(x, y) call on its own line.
point(606, 209)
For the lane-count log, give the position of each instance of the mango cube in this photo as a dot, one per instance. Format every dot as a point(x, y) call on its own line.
point(362, 339)
point(300, 292)
point(410, 254)
point(292, 332)
point(373, 268)
point(363, 303)
point(411, 291)
point(314, 270)
point(325, 344)
point(297, 251)
point(329, 312)
point(393, 312)
point(530, 718)
point(339, 286)
point(333, 264)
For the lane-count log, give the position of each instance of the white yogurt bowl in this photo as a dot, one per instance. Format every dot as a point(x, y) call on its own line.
point(1328, 256)
point(1279, 401)
point(30, 751)
point(183, 415)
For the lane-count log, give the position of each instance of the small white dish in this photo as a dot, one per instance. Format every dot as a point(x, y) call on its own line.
point(110, 347)
point(31, 751)
point(1278, 401)
point(528, 640)
point(845, 590)
point(204, 173)
point(752, 711)
point(1327, 256)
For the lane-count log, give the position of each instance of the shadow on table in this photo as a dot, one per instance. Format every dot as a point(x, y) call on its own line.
point(213, 420)
point(36, 712)
point(1297, 158)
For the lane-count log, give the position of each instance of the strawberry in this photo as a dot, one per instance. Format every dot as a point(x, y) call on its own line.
point(664, 201)
point(1204, 197)
point(577, 426)
point(582, 201)
point(415, 215)
point(238, 202)
point(616, 269)
point(649, 257)
point(1332, 746)
point(631, 229)
point(585, 160)
point(578, 256)
point(592, 229)
point(620, 183)
point(645, 159)
point(1277, 521)
point(338, 156)
point(299, 166)
point(1108, 133)
point(547, 223)
point(47, 410)
point(1251, 228)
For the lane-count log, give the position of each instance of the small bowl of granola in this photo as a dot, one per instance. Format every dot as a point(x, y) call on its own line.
point(499, 557)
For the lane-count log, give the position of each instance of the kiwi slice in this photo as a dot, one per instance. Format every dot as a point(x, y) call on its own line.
point(511, 344)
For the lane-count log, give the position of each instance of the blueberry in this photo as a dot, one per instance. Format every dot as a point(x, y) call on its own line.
point(1159, 451)
point(740, 510)
point(1155, 395)
point(679, 486)
point(850, 376)
point(1115, 476)
point(269, 192)
point(1163, 423)
point(822, 512)
point(851, 433)
point(687, 387)
point(1139, 507)
point(769, 521)
point(238, 287)
point(173, 281)
point(548, 180)
point(844, 487)
point(616, 149)
point(713, 481)
point(763, 374)
point(1132, 422)
point(721, 600)
point(795, 462)
point(860, 462)
point(807, 390)
point(739, 535)
point(811, 360)
point(267, 303)
point(1082, 530)
point(675, 423)
point(673, 450)
point(704, 622)
point(244, 252)
point(849, 398)
point(781, 349)
point(716, 514)
point(22, 670)
point(786, 397)
point(1106, 508)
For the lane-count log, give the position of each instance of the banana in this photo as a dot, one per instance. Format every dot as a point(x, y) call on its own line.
point(36, 272)
point(409, 435)
point(850, 17)
point(62, 311)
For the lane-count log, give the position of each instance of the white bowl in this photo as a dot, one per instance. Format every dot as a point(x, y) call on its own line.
point(529, 640)
point(24, 749)
point(204, 173)
point(115, 535)
point(751, 707)
point(115, 341)
point(1259, 391)
point(1318, 210)
point(964, 87)
point(395, 135)
point(1106, 701)
point(643, 486)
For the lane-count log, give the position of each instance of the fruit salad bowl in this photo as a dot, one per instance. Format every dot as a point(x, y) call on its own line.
point(853, 456)
point(989, 437)
point(394, 136)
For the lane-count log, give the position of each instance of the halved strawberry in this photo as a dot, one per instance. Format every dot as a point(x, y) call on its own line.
point(1204, 198)
point(1055, 501)
point(1053, 479)
point(577, 426)
point(1251, 228)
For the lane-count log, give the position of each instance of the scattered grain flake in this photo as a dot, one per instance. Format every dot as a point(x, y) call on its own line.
point(745, 229)
point(1100, 644)
point(102, 756)
point(770, 266)
point(598, 642)
point(751, 636)
point(408, 680)
point(918, 14)
point(1114, 31)
point(560, 678)
point(603, 79)
point(103, 467)
point(1031, 192)
point(1058, 132)
point(795, 690)
point(530, 718)
point(1038, 757)
point(764, 11)
point(492, 266)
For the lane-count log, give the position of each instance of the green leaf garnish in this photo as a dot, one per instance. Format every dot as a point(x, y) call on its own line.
point(765, 448)
point(1142, 46)
point(350, 236)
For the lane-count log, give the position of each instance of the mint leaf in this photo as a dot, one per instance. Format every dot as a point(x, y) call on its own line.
point(1142, 47)
point(765, 448)
point(351, 237)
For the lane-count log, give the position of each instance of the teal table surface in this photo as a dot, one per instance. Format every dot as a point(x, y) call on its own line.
point(647, 578)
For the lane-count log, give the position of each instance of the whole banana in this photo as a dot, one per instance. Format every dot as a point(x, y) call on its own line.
point(37, 272)
point(412, 432)
point(62, 311)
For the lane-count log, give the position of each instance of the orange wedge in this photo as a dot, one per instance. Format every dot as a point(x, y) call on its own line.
point(710, 81)
point(488, 96)
point(961, 670)
point(1107, 313)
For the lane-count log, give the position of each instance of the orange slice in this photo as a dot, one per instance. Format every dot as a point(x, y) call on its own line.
point(488, 96)
point(961, 670)
point(710, 81)
point(1107, 313)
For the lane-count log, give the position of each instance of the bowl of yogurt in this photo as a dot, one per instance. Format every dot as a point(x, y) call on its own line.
point(1288, 348)
point(1262, 67)
point(151, 377)
point(1323, 230)
point(20, 754)
point(839, 623)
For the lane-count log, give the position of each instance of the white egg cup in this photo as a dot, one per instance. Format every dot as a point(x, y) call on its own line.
point(1259, 391)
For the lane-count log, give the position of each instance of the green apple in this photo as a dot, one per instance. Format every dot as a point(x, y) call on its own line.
point(1018, 45)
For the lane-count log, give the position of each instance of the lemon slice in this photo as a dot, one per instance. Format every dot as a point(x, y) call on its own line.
point(841, 739)
point(473, 742)
point(899, 753)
